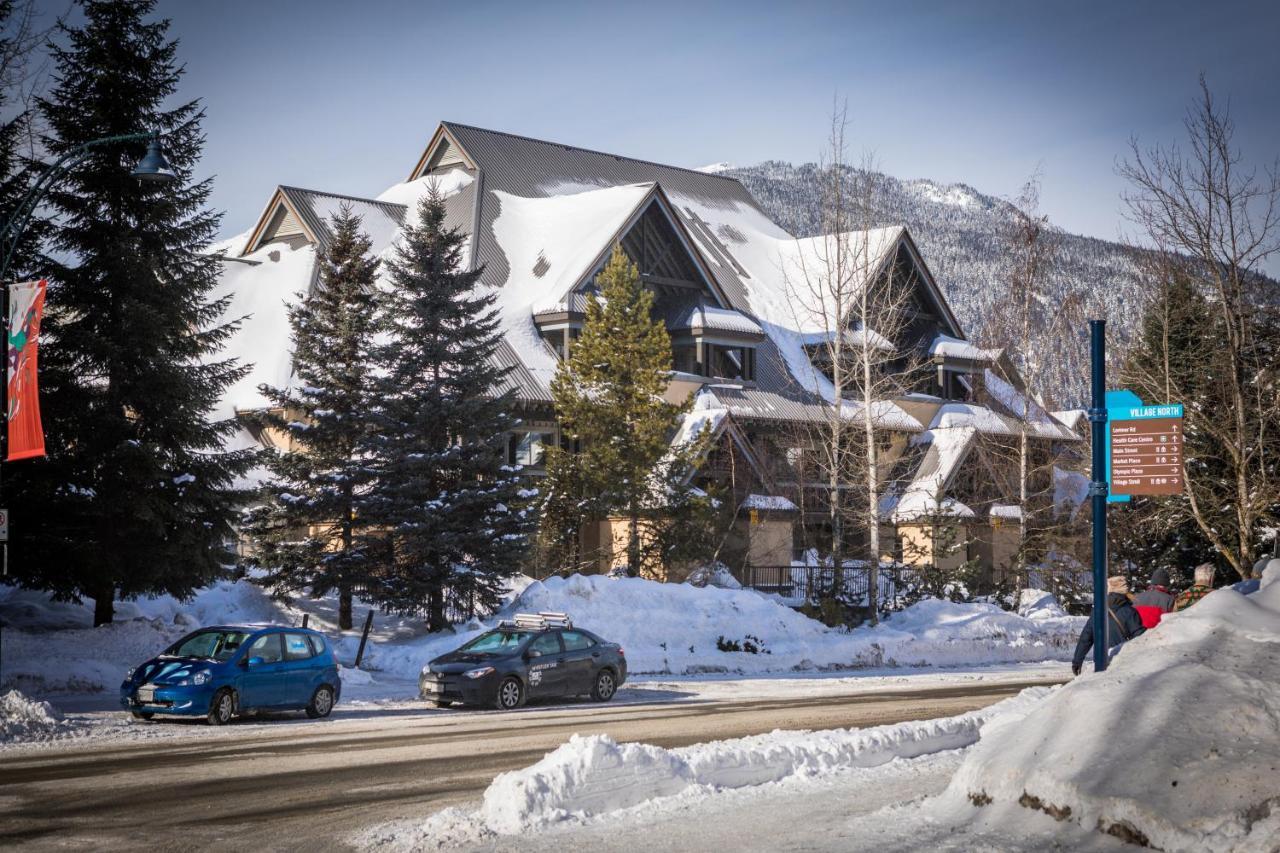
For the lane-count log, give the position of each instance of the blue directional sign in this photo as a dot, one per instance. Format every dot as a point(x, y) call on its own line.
point(1144, 447)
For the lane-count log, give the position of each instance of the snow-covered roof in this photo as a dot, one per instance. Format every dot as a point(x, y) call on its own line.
point(949, 347)
point(261, 294)
point(1072, 419)
point(1012, 511)
point(697, 316)
point(1026, 410)
point(774, 503)
point(924, 497)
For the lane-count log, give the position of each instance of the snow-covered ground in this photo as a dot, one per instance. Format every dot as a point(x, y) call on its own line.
point(1176, 746)
point(49, 654)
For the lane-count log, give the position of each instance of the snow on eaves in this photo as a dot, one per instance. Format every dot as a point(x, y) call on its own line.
point(949, 347)
point(775, 503)
point(410, 193)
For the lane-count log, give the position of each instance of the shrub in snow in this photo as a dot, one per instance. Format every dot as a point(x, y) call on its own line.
point(1166, 779)
point(715, 574)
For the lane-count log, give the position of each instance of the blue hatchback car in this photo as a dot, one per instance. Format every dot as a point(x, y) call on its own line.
point(223, 671)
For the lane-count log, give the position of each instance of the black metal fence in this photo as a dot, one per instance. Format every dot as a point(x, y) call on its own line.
point(801, 585)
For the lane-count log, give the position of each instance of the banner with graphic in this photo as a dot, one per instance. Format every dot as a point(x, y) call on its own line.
point(26, 307)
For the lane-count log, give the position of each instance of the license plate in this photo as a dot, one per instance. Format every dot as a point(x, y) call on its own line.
point(146, 694)
point(434, 686)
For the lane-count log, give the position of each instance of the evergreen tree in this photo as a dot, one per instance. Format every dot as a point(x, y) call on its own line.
point(1173, 360)
point(308, 534)
point(609, 396)
point(16, 173)
point(452, 509)
point(137, 495)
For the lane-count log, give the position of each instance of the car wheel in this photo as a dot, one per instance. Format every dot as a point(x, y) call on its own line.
point(510, 694)
point(222, 708)
point(321, 702)
point(142, 715)
point(606, 685)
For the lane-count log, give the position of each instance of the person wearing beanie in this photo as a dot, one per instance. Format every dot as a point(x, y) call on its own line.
point(1155, 601)
point(1123, 623)
point(1198, 590)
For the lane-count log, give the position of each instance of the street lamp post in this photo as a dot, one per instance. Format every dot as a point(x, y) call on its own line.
point(152, 168)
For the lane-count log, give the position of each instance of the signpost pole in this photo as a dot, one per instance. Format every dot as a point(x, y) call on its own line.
point(1098, 489)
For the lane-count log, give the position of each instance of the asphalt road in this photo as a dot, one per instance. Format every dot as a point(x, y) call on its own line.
point(296, 787)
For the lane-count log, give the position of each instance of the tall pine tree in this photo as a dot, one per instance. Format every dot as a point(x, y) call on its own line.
point(609, 396)
point(137, 495)
point(309, 535)
point(450, 505)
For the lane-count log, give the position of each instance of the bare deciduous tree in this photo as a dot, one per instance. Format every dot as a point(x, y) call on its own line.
point(1217, 221)
point(1029, 317)
point(849, 303)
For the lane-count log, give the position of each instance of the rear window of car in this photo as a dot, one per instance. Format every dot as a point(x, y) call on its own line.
point(576, 641)
point(297, 647)
point(547, 644)
point(266, 647)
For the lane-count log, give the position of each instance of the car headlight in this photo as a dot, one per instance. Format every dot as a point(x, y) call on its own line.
point(201, 677)
point(478, 673)
point(128, 676)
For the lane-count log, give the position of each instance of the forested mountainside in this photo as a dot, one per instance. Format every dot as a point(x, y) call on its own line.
point(962, 235)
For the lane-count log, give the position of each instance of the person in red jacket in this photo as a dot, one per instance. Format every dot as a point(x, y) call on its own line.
point(1155, 601)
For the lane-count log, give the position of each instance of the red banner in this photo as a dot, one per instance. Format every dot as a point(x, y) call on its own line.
point(26, 307)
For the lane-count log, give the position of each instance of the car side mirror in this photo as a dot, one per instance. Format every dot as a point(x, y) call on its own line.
point(532, 653)
point(254, 661)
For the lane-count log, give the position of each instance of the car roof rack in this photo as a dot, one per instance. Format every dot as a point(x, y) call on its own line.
point(538, 621)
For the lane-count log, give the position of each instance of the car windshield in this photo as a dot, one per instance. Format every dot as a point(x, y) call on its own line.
point(212, 645)
point(497, 642)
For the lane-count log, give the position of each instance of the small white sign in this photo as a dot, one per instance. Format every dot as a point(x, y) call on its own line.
point(4, 525)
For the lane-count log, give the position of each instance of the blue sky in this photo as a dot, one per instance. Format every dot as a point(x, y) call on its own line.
point(343, 96)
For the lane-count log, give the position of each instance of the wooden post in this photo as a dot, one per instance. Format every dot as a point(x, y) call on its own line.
point(305, 617)
point(364, 638)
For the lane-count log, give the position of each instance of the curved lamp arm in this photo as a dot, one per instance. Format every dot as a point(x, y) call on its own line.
point(17, 223)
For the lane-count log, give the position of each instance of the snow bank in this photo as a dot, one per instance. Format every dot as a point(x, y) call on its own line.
point(682, 624)
point(1176, 746)
point(49, 649)
point(596, 775)
point(22, 718)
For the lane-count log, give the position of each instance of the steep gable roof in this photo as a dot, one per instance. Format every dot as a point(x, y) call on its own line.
point(293, 211)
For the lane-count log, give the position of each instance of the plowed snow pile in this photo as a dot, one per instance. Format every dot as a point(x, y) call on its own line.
point(25, 719)
point(593, 776)
point(676, 628)
point(1175, 746)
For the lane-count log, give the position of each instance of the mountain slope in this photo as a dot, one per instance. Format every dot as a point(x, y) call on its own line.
point(961, 233)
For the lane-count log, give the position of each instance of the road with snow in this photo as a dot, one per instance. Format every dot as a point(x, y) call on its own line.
point(295, 785)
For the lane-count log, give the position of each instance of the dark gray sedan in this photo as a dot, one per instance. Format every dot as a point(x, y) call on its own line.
point(534, 656)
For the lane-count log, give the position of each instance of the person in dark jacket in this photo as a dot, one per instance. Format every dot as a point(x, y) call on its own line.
point(1123, 622)
point(1155, 601)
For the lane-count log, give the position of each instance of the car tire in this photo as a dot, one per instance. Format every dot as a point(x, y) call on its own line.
point(142, 715)
point(222, 708)
point(510, 694)
point(321, 702)
point(606, 684)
